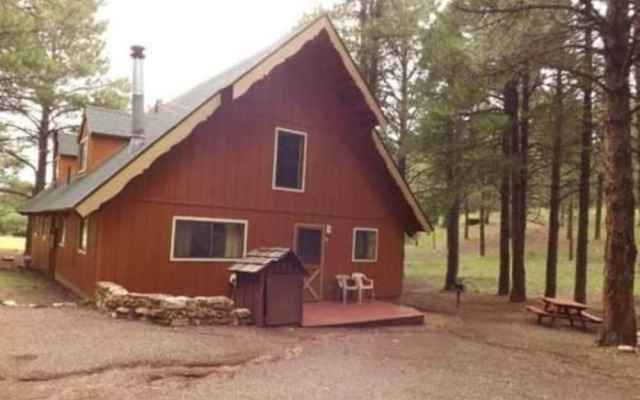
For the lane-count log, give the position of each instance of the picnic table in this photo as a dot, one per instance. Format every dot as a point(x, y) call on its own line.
point(570, 310)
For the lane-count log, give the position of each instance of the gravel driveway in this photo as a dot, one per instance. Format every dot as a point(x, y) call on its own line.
point(82, 354)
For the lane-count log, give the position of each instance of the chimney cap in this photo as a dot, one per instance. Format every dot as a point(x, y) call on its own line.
point(137, 51)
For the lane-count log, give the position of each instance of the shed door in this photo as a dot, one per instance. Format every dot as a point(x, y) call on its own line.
point(310, 249)
point(284, 300)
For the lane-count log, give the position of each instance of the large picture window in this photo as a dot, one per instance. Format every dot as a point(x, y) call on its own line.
point(365, 244)
point(205, 239)
point(289, 164)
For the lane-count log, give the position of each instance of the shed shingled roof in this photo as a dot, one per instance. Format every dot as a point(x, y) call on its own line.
point(183, 109)
point(68, 145)
point(259, 259)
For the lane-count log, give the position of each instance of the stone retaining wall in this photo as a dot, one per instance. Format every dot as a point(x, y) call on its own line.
point(169, 310)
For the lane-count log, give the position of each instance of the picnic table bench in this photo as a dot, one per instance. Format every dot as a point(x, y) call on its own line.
point(570, 310)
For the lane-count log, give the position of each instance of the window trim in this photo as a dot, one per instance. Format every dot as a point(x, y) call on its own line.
point(207, 219)
point(63, 231)
point(83, 141)
point(83, 222)
point(353, 244)
point(275, 160)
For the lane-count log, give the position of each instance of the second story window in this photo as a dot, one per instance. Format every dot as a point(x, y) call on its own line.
point(83, 154)
point(289, 160)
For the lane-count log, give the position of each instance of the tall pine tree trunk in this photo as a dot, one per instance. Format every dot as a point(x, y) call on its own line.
point(554, 191)
point(599, 196)
point(41, 171)
point(619, 318)
point(453, 244)
point(520, 146)
point(466, 219)
point(511, 106)
point(570, 228)
point(580, 289)
point(482, 226)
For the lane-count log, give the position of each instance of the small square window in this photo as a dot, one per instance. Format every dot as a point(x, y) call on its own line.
point(365, 244)
point(289, 163)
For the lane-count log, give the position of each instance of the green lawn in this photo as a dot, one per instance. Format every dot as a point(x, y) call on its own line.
point(15, 280)
point(11, 244)
point(426, 263)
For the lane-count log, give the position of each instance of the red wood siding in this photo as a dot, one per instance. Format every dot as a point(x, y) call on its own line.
point(102, 147)
point(74, 269)
point(67, 166)
point(224, 170)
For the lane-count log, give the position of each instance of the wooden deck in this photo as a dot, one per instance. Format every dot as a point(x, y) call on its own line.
point(377, 313)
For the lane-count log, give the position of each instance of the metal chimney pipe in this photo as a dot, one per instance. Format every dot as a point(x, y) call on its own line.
point(137, 98)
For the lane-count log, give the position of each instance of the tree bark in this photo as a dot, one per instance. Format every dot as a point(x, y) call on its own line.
point(554, 191)
point(41, 171)
point(580, 288)
point(619, 318)
point(466, 219)
point(599, 196)
point(520, 145)
point(510, 94)
point(482, 237)
point(453, 245)
point(570, 228)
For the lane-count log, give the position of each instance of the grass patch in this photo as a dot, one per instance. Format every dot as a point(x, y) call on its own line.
point(426, 263)
point(12, 244)
point(16, 280)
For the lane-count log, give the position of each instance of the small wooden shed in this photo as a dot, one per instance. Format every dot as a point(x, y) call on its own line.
point(269, 282)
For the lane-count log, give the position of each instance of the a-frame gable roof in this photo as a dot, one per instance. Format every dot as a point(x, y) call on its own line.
point(177, 119)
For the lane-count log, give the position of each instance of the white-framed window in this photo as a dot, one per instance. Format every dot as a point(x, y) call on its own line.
point(365, 245)
point(83, 154)
point(63, 230)
point(83, 235)
point(289, 160)
point(208, 239)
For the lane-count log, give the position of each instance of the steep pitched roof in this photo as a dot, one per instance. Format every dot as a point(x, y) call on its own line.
point(108, 122)
point(175, 120)
point(68, 145)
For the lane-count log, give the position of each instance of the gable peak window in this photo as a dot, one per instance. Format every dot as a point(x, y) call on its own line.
point(365, 245)
point(289, 160)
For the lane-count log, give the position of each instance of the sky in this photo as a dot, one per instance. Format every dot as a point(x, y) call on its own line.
point(189, 41)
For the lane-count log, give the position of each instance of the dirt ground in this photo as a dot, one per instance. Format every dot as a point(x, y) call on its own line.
point(488, 349)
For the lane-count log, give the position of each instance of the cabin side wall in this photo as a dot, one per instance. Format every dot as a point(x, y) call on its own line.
point(71, 267)
point(74, 268)
point(40, 242)
point(224, 170)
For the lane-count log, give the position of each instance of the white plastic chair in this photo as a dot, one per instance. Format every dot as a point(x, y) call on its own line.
point(345, 283)
point(363, 283)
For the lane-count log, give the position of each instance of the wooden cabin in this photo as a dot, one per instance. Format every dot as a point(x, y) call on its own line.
point(280, 150)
